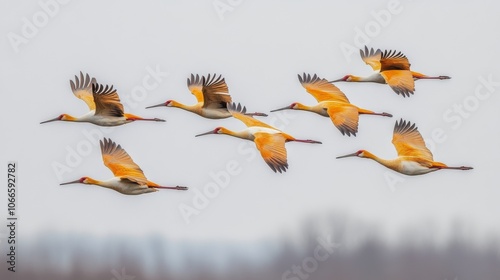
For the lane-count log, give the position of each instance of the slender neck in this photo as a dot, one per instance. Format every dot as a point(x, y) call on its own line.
point(303, 107)
point(85, 118)
point(110, 184)
point(90, 181)
point(372, 78)
point(69, 118)
point(244, 134)
point(191, 108)
point(392, 164)
point(315, 109)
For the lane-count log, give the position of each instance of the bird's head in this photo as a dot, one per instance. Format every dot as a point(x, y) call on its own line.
point(217, 130)
point(360, 153)
point(83, 180)
point(293, 106)
point(62, 117)
point(168, 103)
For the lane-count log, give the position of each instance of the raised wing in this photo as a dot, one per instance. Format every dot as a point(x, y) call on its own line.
point(371, 57)
point(401, 81)
point(107, 102)
point(392, 60)
point(82, 88)
point(215, 92)
point(239, 111)
point(120, 163)
point(409, 142)
point(321, 89)
point(272, 149)
point(195, 85)
point(345, 118)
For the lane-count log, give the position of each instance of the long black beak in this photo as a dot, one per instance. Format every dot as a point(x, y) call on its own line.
point(51, 120)
point(206, 133)
point(72, 182)
point(158, 105)
point(280, 109)
point(349, 155)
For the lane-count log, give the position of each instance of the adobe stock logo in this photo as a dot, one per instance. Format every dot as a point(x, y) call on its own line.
point(371, 29)
point(324, 249)
point(224, 6)
point(31, 27)
point(122, 275)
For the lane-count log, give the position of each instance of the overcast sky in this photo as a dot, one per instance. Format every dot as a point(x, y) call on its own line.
point(147, 49)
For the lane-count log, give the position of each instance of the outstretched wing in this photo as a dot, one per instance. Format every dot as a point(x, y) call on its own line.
point(401, 81)
point(345, 118)
point(82, 88)
point(392, 60)
point(239, 111)
point(195, 85)
point(215, 92)
point(120, 163)
point(371, 57)
point(272, 149)
point(107, 102)
point(409, 142)
point(321, 89)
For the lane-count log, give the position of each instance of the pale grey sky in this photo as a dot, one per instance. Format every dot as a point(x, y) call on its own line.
point(259, 47)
